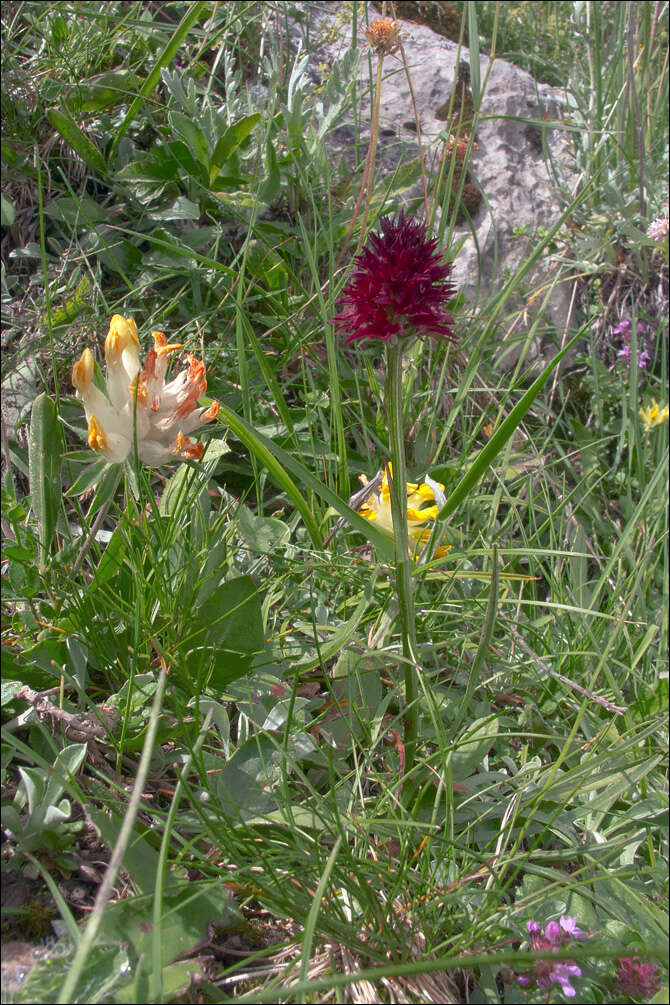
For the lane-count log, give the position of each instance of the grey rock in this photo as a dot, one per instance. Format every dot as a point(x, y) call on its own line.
point(510, 167)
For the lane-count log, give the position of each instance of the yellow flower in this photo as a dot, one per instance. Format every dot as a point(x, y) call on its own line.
point(138, 402)
point(652, 415)
point(377, 508)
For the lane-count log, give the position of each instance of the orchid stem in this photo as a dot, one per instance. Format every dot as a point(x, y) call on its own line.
point(398, 488)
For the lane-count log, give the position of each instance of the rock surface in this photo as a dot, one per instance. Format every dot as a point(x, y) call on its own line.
point(510, 166)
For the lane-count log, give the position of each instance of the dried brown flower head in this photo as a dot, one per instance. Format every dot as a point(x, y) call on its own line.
point(383, 35)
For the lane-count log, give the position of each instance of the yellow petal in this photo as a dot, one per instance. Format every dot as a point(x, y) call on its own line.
point(97, 437)
point(419, 515)
point(121, 336)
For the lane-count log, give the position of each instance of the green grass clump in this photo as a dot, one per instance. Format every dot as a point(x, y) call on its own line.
point(204, 765)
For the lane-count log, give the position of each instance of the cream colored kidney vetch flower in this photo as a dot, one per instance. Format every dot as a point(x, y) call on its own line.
point(138, 402)
point(377, 508)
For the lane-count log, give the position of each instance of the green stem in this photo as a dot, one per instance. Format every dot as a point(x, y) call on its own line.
point(398, 487)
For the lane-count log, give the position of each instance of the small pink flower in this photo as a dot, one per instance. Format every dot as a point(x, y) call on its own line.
point(623, 329)
point(636, 979)
point(569, 929)
point(658, 229)
point(545, 972)
point(398, 287)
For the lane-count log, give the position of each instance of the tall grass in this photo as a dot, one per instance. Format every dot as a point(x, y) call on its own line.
point(238, 685)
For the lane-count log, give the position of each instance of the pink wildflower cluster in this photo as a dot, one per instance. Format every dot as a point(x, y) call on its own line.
point(623, 330)
point(658, 229)
point(637, 980)
point(555, 935)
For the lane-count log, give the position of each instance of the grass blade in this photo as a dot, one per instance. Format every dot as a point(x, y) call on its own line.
point(484, 642)
point(165, 58)
point(44, 466)
point(502, 435)
point(310, 924)
point(278, 461)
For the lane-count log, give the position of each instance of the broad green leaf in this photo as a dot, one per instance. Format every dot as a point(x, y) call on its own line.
point(106, 486)
point(8, 689)
point(473, 746)
point(64, 124)
point(191, 15)
point(243, 784)
point(176, 980)
point(183, 251)
point(93, 473)
point(186, 914)
point(8, 212)
point(33, 786)
point(229, 142)
point(107, 971)
point(112, 559)
point(76, 212)
point(192, 135)
point(229, 623)
point(262, 533)
point(181, 209)
point(67, 764)
point(111, 88)
point(44, 450)
point(140, 860)
point(272, 184)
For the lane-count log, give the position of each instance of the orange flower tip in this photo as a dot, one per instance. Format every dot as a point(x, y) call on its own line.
point(183, 447)
point(189, 451)
point(382, 35)
point(162, 346)
point(211, 412)
point(97, 437)
point(142, 392)
point(82, 371)
point(196, 369)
